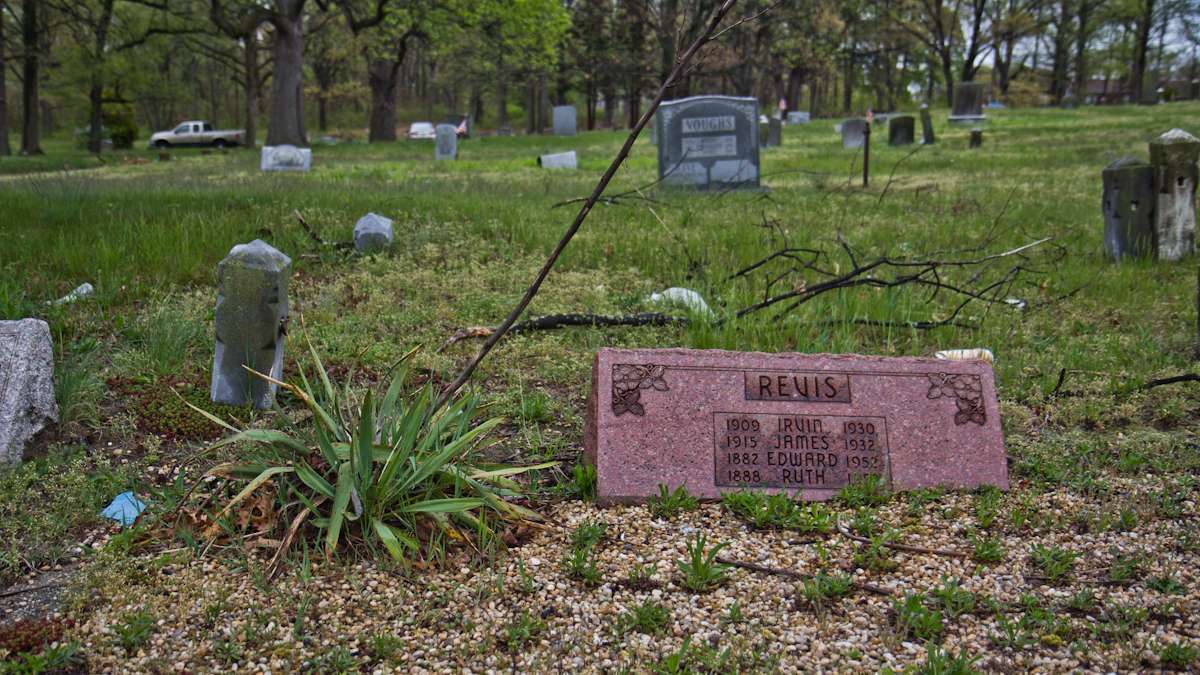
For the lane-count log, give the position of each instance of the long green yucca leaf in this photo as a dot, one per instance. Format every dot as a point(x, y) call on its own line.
point(387, 409)
point(312, 479)
point(320, 413)
point(443, 505)
point(310, 504)
point(341, 499)
point(364, 442)
point(317, 363)
point(254, 485)
point(236, 470)
point(512, 470)
point(209, 416)
point(393, 539)
point(328, 451)
point(435, 461)
point(267, 436)
point(502, 506)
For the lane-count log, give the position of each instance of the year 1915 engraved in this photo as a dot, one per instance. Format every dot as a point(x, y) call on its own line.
point(797, 451)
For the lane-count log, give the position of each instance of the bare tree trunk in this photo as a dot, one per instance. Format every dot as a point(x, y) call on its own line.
point(5, 149)
point(96, 93)
point(382, 78)
point(30, 109)
point(250, 54)
point(848, 80)
point(1137, 75)
point(501, 98)
point(286, 125)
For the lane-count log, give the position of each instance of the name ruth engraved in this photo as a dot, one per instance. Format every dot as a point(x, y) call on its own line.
point(797, 386)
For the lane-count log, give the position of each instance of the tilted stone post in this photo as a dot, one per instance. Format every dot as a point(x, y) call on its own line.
point(251, 321)
point(1173, 156)
point(1128, 203)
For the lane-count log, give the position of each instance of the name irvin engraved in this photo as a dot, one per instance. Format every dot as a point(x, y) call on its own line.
point(797, 451)
point(797, 386)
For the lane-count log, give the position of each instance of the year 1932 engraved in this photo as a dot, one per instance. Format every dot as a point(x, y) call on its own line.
point(797, 451)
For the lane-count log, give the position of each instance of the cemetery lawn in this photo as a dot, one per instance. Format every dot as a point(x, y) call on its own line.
point(1088, 564)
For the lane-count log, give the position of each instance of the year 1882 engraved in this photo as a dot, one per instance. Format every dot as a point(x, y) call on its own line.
point(797, 451)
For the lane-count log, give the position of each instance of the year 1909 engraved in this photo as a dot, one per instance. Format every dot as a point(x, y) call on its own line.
point(797, 451)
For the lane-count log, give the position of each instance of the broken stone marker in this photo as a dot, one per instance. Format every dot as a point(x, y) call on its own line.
point(27, 401)
point(900, 130)
point(1128, 203)
point(804, 425)
point(976, 138)
point(926, 126)
point(372, 233)
point(285, 158)
point(252, 312)
point(559, 160)
point(1173, 156)
point(774, 132)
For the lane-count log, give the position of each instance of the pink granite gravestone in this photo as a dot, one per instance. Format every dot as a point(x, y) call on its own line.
point(803, 424)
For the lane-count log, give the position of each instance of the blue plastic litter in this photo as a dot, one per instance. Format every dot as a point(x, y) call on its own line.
point(125, 508)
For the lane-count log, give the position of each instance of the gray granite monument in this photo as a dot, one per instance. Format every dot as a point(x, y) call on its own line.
point(564, 120)
point(709, 142)
point(285, 158)
point(446, 145)
point(251, 323)
point(854, 133)
point(1174, 157)
point(799, 117)
point(1128, 202)
point(900, 130)
point(27, 401)
point(968, 103)
point(774, 132)
point(372, 233)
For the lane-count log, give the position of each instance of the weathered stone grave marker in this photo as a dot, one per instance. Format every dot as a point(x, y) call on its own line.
point(900, 130)
point(564, 120)
point(1174, 156)
point(1128, 203)
point(559, 160)
point(926, 126)
point(968, 103)
point(251, 323)
point(285, 158)
point(27, 402)
point(799, 117)
point(446, 145)
point(976, 138)
point(854, 133)
point(372, 233)
point(774, 132)
point(801, 424)
point(709, 141)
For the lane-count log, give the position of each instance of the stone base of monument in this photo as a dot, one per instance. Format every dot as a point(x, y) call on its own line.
point(798, 424)
point(967, 120)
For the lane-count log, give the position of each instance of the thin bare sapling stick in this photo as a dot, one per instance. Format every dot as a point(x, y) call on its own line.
point(680, 66)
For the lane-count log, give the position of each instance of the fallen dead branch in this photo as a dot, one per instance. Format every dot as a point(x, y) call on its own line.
point(791, 574)
point(556, 321)
point(1175, 379)
point(907, 548)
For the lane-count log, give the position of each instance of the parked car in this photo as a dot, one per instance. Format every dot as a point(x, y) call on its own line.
point(421, 131)
point(197, 133)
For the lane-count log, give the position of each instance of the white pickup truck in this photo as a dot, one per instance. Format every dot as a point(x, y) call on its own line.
point(197, 133)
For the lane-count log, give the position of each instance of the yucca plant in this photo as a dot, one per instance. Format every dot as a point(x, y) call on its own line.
point(391, 471)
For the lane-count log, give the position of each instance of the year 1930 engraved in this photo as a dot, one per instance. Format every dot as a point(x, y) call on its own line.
point(797, 451)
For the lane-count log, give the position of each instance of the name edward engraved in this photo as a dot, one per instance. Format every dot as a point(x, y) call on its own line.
point(797, 386)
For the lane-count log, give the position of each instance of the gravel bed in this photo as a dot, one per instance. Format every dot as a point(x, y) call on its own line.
point(525, 613)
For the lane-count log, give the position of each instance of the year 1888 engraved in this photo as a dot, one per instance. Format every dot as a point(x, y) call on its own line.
point(797, 451)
